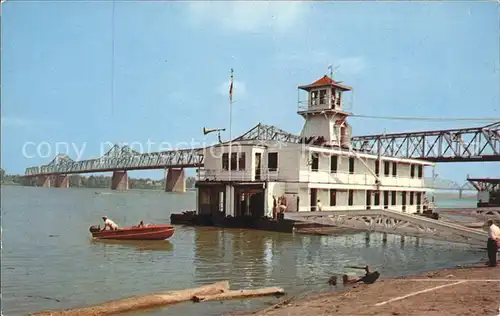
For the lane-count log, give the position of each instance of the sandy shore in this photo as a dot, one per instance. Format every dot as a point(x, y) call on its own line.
point(473, 290)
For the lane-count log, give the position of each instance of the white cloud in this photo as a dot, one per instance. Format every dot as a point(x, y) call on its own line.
point(239, 89)
point(8, 121)
point(249, 16)
point(20, 122)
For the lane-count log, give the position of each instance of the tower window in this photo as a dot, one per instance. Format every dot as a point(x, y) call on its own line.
point(322, 96)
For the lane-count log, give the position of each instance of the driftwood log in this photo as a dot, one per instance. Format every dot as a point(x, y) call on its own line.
point(142, 302)
point(238, 294)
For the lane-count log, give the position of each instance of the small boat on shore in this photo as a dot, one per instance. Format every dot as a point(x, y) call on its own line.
point(148, 232)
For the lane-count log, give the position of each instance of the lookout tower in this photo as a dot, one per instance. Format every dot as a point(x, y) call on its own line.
point(325, 119)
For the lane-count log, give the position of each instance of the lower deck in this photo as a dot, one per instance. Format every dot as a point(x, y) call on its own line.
point(268, 199)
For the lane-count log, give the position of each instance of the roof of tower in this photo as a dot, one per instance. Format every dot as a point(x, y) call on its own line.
point(325, 81)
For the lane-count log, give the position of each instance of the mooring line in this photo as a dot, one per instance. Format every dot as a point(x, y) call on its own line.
point(452, 280)
point(419, 292)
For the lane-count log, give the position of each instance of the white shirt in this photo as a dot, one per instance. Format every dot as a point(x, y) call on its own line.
point(110, 223)
point(493, 232)
point(319, 207)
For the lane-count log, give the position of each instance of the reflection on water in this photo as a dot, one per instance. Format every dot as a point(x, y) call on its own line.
point(139, 245)
point(50, 261)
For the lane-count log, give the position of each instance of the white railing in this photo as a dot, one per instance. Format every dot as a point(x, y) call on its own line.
point(308, 176)
point(342, 177)
point(239, 175)
point(318, 105)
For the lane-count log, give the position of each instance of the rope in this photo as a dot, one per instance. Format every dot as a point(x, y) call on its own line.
point(434, 119)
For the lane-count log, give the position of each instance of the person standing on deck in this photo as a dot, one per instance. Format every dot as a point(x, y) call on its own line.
point(319, 207)
point(275, 207)
point(492, 244)
point(283, 204)
point(109, 223)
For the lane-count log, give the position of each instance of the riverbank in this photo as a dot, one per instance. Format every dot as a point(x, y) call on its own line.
point(471, 290)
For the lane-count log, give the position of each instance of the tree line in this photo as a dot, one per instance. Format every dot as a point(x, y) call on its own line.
point(100, 181)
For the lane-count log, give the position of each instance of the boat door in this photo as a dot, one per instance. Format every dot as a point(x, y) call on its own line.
point(258, 159)
point(403, 198)
point(368, 199)
point(314, 199)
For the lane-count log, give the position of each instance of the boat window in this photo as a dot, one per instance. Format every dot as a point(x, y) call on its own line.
point(377, 167)
point(411, 197)
point(412, 171)
point(242, 162)
point(314, 162)
point(394, 169)
point(234, 159)
point(333, 197)
point(351, 198)
point(386, 199)
point(387, 167)
point(393, 198)
point(377, 198)
point(334, 164)
point(420, 171)
point(225, 161)
point(272, 161)
point(351, 165)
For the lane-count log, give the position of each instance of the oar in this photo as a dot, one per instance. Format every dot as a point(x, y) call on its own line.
point(356, 267)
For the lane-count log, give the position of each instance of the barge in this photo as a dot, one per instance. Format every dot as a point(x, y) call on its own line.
point(254, 180)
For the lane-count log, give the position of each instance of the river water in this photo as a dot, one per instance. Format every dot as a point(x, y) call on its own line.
point(50, 262)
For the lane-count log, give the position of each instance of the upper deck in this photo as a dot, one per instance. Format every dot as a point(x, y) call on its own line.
point(300, 163)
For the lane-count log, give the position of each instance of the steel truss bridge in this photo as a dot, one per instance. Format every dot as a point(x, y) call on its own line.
point(458, 145)
point(454, 145)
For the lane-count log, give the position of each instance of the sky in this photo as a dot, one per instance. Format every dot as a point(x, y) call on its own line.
point(160, 72)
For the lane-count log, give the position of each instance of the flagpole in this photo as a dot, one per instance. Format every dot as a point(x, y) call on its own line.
point(230, 122)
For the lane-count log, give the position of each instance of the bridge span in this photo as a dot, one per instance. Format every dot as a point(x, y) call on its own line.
point(458, 145)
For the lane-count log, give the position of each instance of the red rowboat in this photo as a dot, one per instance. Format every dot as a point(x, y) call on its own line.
point(149, 232)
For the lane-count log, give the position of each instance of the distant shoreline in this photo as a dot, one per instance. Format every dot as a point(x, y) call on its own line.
point(465, 196)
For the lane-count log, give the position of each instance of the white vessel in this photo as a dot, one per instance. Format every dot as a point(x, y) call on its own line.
point(323, 174)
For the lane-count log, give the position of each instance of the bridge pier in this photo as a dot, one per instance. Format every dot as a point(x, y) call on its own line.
point(61, 181)
point(175, 181)
point(44, 181)
point(119, 181)
point(460, 192)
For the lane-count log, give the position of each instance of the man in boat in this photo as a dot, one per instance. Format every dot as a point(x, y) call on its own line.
point(368, 278)
point(109, 223)
point(141, 224)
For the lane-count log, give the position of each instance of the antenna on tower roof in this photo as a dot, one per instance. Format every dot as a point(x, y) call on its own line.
point(332, 69)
